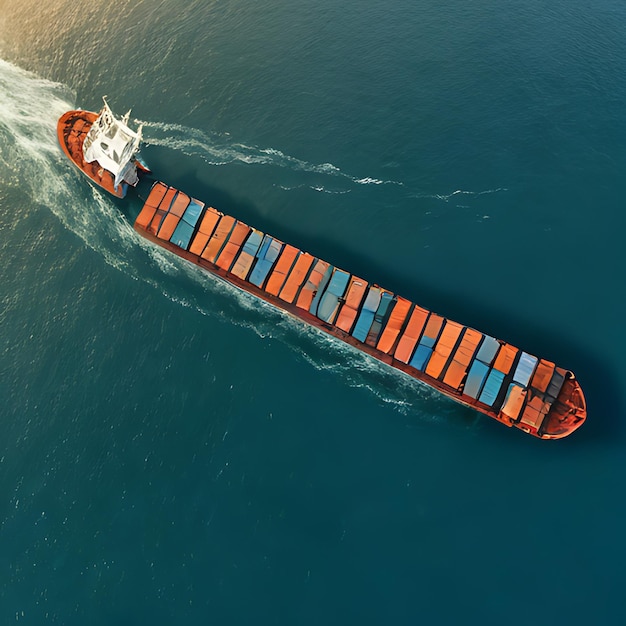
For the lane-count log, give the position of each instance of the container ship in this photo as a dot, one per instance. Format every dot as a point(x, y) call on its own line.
point(477, 370)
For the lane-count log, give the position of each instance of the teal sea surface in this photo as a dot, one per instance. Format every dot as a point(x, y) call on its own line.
point(175, 452)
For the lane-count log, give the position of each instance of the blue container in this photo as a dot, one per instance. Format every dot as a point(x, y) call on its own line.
point(265, 244)
point(385, 300)
point(525, 369)
point(320, 290)
point(427, 341)
point(192, 213)
point(338, 283)
point(363, 324)
point(475, 379)
point(273, 251)
point(488, 350)
point(492, 387)
point(421, 357)
point(253, 243)
point(182, 234)
point(261, 269)
point(267, 255)
point(372, 300)
point(329, 303)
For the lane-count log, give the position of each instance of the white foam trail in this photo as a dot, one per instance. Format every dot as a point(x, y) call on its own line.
point(446, 197)
point(220, 149)
point(31, 158)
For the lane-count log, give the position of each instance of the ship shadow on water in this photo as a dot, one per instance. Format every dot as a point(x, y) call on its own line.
point(605, 402)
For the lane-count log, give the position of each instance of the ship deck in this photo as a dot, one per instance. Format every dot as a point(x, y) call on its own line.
point(475, 369)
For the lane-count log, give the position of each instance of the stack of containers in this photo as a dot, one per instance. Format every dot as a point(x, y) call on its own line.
point(425, 346)
point(268, 253)
point(501, 367)
point(354, 296)
point(384, 309)
point(246, 257)
point(329, 302)
point(392, 329)
point(480, 367)
point(366, 319)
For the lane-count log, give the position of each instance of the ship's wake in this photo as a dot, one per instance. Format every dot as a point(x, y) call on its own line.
point(219, 149)
point(31, 160)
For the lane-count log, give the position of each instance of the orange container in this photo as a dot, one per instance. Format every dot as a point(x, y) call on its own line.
point(181, 202)
point(455, 374)
point(411, 334)
point(282, 267)
point(156, 195)
point(462, 358)
point(149, 208)
point(233, 245)
point(542, 376)
point(156, 222)
point(435, 322)
point(354, 296)
point(534, 412)
point(443, 348)
point(394, 324)
point(296, 277)
point(168, 226)
point(506, 357)
point(222, 230)
point(308, 291)
point(514, 403)
point(145, 217)
point(209, 220)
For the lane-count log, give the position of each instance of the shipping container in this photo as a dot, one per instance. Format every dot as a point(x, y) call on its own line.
point(380, 317)
point(514, 401)
point(321, 287)
point(281, 269)
point(525, 369)
point(394, 325)
point(266, 257)
point(179, 204)
point(217, 240)
point(506, 357)
point(245, 258)
point(308, 292)
point(488, 350)
point(233, 244)
point(182, 234)
point(329, 302)
point(208, 223)
point(192, 213)
point(462, 357)
point(168, 226)
point(443, 348)
point(421, 356)
point(411, 334)
point(296, 277)
point(475, 379)
point(366, 318)
point(492, 387)
point(543, 375)
point(354, 297)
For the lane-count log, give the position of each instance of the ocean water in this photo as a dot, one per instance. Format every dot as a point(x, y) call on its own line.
point(174, 452)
